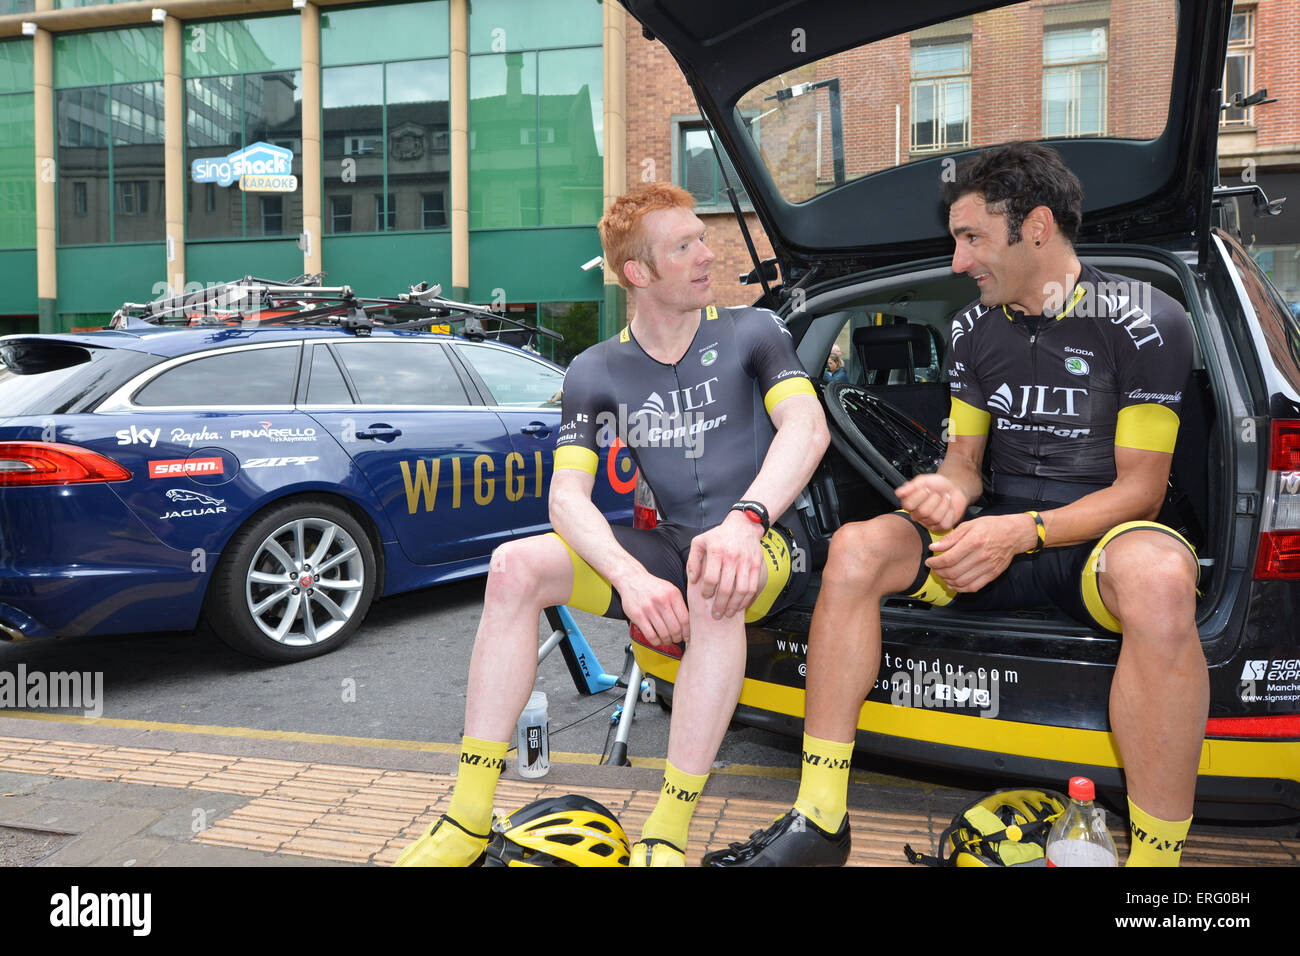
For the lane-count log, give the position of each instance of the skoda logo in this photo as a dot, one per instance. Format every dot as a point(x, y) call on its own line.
point(1076, 366)
point(709, 357)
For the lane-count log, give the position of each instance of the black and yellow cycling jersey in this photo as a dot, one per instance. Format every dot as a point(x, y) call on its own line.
point(698, 430)
point(1056, 394)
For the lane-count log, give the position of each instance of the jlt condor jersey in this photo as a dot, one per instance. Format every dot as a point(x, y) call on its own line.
point(698, 429)
point(1057, 394)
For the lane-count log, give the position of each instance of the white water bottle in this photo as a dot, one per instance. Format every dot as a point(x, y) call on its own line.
point(534, 753)
point(1079, 836)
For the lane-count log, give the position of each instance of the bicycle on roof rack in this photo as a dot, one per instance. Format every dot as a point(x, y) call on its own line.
point(303, 300)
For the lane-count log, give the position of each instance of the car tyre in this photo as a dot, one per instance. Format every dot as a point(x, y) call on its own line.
point(294, 583)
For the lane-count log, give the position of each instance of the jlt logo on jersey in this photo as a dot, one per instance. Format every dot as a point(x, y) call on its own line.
point(682, 400)
point(1136, 322)
point(1054, 401)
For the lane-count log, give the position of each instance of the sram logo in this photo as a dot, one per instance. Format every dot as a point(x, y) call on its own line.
point(185, 466)
point(277, 462)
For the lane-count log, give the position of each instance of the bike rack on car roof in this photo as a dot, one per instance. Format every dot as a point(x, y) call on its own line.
point(251, 301)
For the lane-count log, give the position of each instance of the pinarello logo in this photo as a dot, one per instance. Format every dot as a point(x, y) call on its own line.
point(186, 466)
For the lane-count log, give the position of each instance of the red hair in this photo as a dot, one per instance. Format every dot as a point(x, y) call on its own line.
point(621, 235)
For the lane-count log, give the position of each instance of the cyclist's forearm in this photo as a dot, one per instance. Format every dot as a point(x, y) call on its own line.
point(801, 440)
point(579, 522)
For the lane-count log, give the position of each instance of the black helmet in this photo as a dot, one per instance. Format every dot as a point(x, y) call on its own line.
point(561, 831)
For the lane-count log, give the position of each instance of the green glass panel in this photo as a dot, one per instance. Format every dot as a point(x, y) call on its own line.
point(352, 127)
point(113, 56)
point(418, 138)
point(84, 159)
point(273, 114)
point(15, 66)
point(214, 126)
point(243, 46)
point(99, 279)
point(388, 264)
point(503, 141)
point(499, 26)
point(18, 290)
point(570, 137)
point(534, 265)
point(375, 34)
point(138, 176)
point(17, 171)
point(223, 261)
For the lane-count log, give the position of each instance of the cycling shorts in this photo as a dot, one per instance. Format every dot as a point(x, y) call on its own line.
point(1064, 578)
point(664, 551)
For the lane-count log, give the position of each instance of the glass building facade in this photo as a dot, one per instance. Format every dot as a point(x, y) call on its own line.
point(533, 161)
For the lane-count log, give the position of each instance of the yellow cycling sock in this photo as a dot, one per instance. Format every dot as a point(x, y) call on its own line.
point(481, 763)
point(824, 785)
point(1155, 842)
point(670, 820)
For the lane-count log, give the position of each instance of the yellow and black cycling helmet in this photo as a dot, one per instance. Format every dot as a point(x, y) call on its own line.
point(561, 831)
point(1004, 828)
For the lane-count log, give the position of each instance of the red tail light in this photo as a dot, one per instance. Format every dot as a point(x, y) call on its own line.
point(1278, 557)
point(646, 515)
point(52, 463)
point(1283, 725)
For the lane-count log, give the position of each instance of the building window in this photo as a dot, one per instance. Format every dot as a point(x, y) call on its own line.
point(340, 214)
point(132, 197)
point(385, 131)
point(433, 210)
point(272, 215)
point(1239, 68)
point(695, 167)
point(79, 198)
point(940, 96)
point(1074, 82)
point(385, 212)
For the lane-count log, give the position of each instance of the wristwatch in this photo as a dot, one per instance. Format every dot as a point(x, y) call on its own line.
point(755, 512)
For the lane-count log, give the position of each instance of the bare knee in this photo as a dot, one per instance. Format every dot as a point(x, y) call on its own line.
point(530, 570)
point(867, 555)
point(1148, 581)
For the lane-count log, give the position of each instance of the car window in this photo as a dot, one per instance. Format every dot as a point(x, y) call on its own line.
point(515, 379)
point(238, 378)
point(1280, 328)
point(326, 385)
point(402, 373)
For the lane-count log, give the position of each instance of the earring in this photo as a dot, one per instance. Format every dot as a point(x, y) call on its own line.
point(1037, 243)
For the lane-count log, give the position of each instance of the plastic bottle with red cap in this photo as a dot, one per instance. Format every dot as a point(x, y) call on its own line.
point(1079, 837)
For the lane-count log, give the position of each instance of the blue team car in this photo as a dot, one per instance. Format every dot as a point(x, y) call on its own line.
point(271, 462)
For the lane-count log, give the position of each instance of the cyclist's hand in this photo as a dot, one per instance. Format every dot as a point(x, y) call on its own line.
point(728, 564)
point(934, 501)
point(981, 549)
point(656, 607)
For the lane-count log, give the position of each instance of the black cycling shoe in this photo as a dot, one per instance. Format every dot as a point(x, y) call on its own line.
point(793, 840)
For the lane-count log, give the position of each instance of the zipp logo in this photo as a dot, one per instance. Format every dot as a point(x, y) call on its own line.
point(277, 462)
point(186, 466)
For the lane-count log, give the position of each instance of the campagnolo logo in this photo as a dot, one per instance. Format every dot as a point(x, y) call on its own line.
point(1165, 397)
point(200, 503)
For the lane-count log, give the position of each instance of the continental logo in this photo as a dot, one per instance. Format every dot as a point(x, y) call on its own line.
point(1143, 837)
point(830, 763)
point(677, 793)
point(478, 760)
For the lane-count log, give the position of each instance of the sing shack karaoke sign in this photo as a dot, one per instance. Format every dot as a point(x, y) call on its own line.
point(259, 167)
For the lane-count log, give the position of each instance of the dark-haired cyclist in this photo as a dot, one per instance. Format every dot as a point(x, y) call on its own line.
point(1072, 380)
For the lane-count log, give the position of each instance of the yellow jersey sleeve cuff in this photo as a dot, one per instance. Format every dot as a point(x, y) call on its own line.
point(967, 421)
point(1147, 428)
point(577, 458)
point(779, 392)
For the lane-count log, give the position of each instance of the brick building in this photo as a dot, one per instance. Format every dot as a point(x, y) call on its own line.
point(1034, 69)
